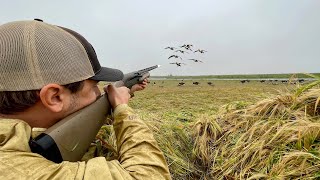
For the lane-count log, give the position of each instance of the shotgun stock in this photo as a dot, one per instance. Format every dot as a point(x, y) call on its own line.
point(70, 138)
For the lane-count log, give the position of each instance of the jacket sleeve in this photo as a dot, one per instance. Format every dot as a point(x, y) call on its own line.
point(139, 154)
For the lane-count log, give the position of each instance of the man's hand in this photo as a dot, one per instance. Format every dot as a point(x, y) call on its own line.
point(139, 87)
point(116, 95)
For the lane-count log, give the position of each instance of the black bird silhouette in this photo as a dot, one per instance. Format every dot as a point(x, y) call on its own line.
point(200, 50)
point(195, 60)
point(171, 48)
point(175, 56)
point(181, 51)
point(187, 46)
point(177, 63)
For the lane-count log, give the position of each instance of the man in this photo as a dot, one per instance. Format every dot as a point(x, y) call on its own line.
point(48, 72)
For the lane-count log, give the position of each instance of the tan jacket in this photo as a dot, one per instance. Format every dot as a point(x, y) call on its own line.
point(139, 155)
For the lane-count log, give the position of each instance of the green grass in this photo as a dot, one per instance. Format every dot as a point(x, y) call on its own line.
point(165, 96)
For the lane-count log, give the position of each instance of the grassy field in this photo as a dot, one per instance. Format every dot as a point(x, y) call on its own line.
point(233, 130)
point(166, 98)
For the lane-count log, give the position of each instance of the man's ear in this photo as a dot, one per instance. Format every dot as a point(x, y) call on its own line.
point(53, 96)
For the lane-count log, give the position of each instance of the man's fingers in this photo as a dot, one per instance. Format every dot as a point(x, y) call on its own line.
point(108, 88)
point(117, 95)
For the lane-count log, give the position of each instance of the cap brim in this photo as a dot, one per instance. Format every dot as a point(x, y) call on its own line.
point(108, 74)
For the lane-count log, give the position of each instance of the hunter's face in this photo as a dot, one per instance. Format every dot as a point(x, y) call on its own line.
point(87, 95)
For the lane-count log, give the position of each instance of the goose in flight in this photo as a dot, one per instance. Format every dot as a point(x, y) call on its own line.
point(175, 56)
point(187, 46)
point(177, 63)
point(195, 60)
point(171, 48)
point(200, 51)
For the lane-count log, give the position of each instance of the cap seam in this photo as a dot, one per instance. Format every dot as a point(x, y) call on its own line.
point(32, 58)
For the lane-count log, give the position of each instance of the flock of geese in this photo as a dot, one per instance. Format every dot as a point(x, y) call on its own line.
point(184, 49)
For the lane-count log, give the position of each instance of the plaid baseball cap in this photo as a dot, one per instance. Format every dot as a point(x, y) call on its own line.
point(34, 53)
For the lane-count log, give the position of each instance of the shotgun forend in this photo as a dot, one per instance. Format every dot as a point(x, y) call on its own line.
point(135, 77)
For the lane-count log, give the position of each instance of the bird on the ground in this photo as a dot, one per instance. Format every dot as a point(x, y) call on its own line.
point(178, 64)
point(175, 56)
point(181, 51)
point(195, 60)
point(171, 48)
point(210, 84)
point(200, 51)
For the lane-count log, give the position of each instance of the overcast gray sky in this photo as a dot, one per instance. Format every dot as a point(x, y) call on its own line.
point(241, 36)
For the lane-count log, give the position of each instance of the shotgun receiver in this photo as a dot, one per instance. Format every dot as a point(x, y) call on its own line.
point(70, 138)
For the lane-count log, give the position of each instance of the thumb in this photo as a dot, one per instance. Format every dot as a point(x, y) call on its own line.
point(109, 88)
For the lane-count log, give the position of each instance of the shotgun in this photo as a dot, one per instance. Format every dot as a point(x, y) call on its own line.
point(70, 138)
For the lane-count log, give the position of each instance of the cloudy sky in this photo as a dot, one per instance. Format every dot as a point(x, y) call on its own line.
point(241, 36)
